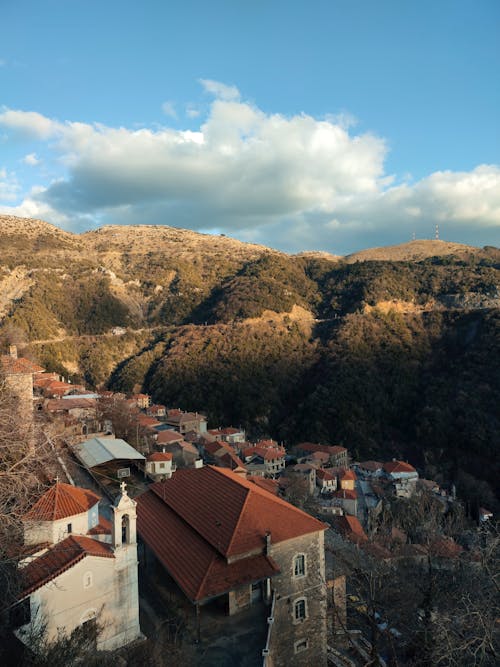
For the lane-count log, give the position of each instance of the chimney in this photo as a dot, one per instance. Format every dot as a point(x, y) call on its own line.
point(268, 543)
point(198, 463)
point(13, 351)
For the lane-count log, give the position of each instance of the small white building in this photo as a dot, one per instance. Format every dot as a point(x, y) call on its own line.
point(82, 569)
point(159, 465)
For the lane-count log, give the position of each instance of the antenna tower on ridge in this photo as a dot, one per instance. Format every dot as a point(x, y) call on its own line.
point(437, 232)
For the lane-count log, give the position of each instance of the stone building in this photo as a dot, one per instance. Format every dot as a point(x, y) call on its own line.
point(81, 568)
point(221, 537)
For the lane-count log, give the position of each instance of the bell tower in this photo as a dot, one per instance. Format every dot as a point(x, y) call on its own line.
point(124, 520)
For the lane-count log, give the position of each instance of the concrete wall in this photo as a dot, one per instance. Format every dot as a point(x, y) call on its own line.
point(300, 643)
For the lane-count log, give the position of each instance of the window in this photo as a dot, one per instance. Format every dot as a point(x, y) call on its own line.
point(300, 646)
point(69, 528)
point(299, 566)
point(300, 610)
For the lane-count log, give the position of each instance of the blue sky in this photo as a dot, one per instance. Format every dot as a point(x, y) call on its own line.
point(330, 125)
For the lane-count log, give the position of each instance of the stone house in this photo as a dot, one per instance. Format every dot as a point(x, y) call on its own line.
point(371, 468)
point(186, 421)
point(222, 537)
point(338, 456)
point(269, 461)
point(81, 569)
point(308, 472)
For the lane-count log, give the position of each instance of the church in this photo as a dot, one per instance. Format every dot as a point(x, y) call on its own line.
point(80, 568)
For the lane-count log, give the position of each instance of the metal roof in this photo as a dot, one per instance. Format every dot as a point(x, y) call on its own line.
point(96, 451)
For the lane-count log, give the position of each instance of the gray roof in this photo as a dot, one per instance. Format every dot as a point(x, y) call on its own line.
point(101, 450)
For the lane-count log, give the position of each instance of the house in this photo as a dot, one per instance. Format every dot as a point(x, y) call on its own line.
point(347, 499)
point(326, 481)
point(156, 411)
point(403, 477)
point(221, 537)
point(82, 570)
point(266, 460)
point(229, 434)
point(142, 401)
point(307, 472)
point(484, 515)
point(108, 459)
point(79, 411)
point(338, 456)
point(159, 465)
point(186, 421)
point(399, 470)
point(347, 479)
point(371, 468)
point(168, 437)
point(221, 454)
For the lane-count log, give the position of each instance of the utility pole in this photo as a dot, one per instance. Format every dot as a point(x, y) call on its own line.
point(437, 232)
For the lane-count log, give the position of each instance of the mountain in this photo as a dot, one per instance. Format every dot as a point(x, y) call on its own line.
point(390, 351)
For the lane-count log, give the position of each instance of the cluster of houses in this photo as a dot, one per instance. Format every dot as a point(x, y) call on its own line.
point(210, 508)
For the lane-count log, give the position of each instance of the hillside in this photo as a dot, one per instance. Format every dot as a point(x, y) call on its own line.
point(390, 351)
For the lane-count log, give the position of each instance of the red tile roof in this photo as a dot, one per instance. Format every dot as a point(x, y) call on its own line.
point(271, 485)
point(201, 517)
point(160, 456)
point(61, 501)
point(19, 366)
point(195, 564)
point(398, 466)
point(267, 453)
point(60, 558)
point(329, 449)
point(348, 475)
point(324, 475)
point(351, 528)
point(104, 527)
point(166, 437)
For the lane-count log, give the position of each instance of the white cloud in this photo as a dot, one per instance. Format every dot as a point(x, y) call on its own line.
point(31, 159)
point(292, 182)
point(168, 109)
point(220, 90)
point(28, 123)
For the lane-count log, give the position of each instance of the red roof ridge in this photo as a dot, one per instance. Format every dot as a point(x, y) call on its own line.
point(235, 531)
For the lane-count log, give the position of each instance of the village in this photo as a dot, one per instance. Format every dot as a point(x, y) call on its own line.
point(226, 551)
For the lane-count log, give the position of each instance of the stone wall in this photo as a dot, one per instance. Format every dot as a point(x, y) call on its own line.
point(300, 642)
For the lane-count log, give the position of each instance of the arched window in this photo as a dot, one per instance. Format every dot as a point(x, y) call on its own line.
point(300, 610)
point(125, 529)
point(299, 565)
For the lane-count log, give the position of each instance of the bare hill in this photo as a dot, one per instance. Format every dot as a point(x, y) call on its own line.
point(412, 251)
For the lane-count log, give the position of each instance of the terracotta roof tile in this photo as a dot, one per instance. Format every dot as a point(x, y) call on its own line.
point(194, 563)
point(61, 557)
point(348, 475)
point(104, 527)
point(398, 466)
point(271, 485)
point(166, 437)
point(351, 528)
point(230, 513)
point(19, 366)
point(160, 456)
point(61, 501)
